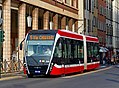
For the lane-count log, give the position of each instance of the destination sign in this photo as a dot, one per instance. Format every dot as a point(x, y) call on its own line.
point(41, 37)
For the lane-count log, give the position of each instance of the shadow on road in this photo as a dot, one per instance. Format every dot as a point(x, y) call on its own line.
point(112, 80)
point(113, 74)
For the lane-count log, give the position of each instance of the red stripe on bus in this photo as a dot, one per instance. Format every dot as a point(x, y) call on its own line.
point(92, 39)
point(93, 66)
point(60, 71)
point(66, 34)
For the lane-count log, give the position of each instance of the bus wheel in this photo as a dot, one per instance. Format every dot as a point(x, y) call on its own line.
point(29, 75)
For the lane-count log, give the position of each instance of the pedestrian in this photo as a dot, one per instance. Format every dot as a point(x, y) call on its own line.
point(113, 60)
point(48, 51)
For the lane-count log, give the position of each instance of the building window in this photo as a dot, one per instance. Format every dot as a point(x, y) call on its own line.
point(84, 4)
point(89, 26)
point(68, 2)
point(96, 3)
point(59, 21)
point(92, 6)
point(74, 3)
point(94, 21)
point(87, 4)
point(84, 25)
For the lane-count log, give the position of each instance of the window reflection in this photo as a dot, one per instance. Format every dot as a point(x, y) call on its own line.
point(39, 48)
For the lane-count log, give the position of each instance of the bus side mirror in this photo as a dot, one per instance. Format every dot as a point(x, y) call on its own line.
point(21, 46)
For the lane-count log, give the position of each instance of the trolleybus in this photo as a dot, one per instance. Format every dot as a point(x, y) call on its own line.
point(58, 52)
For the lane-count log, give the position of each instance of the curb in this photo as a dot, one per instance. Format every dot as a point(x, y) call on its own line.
point(12, 74)
point(9, 78)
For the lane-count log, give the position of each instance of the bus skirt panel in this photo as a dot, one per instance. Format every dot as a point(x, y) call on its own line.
point(66, 69)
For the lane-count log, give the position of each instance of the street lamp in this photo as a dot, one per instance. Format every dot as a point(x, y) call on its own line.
point(29, 19)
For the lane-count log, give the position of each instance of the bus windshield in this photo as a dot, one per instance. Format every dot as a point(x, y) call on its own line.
point(39, 48)
point(38, 52)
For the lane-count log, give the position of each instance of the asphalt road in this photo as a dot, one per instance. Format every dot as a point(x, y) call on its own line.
point(107, 78)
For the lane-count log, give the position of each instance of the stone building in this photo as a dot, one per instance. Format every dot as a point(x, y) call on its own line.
point(42, 14)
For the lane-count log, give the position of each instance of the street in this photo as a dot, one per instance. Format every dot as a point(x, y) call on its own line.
point(107, 78)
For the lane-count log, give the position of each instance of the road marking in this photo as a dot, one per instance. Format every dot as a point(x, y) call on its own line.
point(9, 78)
point(87, 73)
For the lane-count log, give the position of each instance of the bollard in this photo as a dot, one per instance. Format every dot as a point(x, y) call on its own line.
point(5, 66)
point(18, 64)
point(12, 65)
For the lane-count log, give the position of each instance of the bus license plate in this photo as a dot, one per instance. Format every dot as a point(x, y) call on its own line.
point(37, 71)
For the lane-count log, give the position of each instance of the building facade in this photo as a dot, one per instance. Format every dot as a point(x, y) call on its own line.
point(95, 19)
point(109, 27)
point(20, 16)
point(94, 31)
point(102, 22)
point(116, 26)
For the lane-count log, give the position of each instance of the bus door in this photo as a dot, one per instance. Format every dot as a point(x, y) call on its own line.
point(65, 56)
point(61, 55)
point(62, 47)
point(58, 57)
point(63, 60)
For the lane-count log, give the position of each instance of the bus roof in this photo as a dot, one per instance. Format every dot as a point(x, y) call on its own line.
point(75, 35)
point(66, 33)
point(70, 34)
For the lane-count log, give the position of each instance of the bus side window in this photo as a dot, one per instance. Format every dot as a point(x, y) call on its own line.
point(95, 52)
point(89, 52)
point(92, 52)
point(81, 51)
point(58, 49)
point(64, 48)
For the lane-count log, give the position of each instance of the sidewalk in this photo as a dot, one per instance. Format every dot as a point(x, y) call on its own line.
point(14, 75)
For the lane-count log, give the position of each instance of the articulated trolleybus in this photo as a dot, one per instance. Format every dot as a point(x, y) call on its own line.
point(59, 52)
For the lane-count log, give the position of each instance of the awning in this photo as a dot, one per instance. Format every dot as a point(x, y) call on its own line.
point(103, 49)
